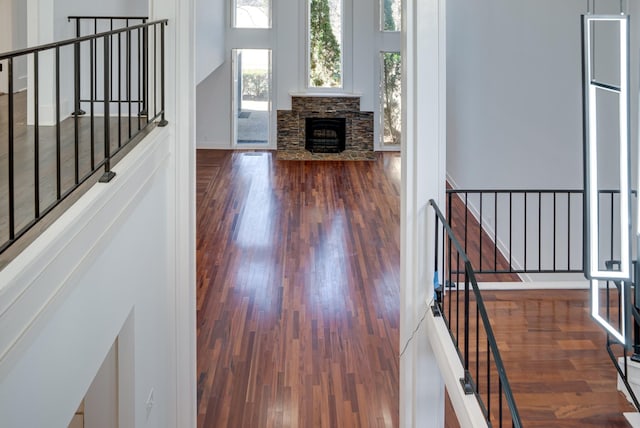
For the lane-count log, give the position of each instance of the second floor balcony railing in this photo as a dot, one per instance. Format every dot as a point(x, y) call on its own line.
point(86, 100)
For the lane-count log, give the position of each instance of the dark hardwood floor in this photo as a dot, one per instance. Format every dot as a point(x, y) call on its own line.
point(298, 297)
point(555, 358)
point(298, 291)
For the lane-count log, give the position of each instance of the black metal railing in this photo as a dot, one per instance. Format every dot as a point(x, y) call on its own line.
point(527, 231)
point(89, 61)
point(465, 315)
point(52, 150)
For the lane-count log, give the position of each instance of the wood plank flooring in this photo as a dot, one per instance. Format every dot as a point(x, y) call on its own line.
point(555, 358)
point(298, 297)
point(298, 291)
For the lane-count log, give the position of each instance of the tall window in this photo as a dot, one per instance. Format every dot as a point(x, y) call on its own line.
point(325, 43)
point(252, 14)
point(390, 98)
point(391, 16)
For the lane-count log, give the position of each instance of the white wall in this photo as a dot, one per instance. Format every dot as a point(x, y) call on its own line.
point(514, 111)
point(514, 94)
point(13, 36)
point(287, 39)
point(210, 35)
point(67, 297)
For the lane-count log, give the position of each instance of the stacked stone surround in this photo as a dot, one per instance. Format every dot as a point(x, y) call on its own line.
point(292, 123)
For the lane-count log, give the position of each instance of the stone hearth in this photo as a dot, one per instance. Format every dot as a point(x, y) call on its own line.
point(359, 124)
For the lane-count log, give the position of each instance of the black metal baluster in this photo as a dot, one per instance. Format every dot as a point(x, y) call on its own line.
point(92, 83)
point(140, 72)
point(11, 160)
point(539, 230)
point(58, 142)
point(466, 210)
point(129, 77)
point(155, 72)
point(480, 233)
point(457, 297)
point(466, 382)
point(163, 120)
point(477, 376)
point(495, 231)
point(554, 230)
point(108, 174)
point(119, 90)
point(77, 109)
point(76, 97)
point(110, 95)
point(510, 229)
point(450, 279)
point(488, 381)
point(145, 71)
point(36, 133)
point(524, 194)
point(568, 230)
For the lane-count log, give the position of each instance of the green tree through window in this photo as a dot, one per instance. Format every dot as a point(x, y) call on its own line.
point(391, 15)
point(325, 54)
point(391, 97)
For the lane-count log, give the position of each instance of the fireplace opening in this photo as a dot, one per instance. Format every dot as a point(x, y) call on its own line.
point(325, 135)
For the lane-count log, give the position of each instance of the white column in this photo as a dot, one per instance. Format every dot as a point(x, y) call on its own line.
point(180, 112)
point(423, 169)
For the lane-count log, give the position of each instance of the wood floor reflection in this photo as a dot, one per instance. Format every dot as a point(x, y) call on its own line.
point(298, 291)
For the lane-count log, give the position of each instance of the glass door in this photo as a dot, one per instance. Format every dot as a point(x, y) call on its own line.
point(251, 97)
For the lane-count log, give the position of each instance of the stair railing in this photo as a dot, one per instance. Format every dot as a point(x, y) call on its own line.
point(463, 311)
point(541, 231)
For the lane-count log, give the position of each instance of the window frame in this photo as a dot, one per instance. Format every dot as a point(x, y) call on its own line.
point(234, 9)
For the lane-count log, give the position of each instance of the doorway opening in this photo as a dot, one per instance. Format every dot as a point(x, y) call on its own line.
point(251, 96)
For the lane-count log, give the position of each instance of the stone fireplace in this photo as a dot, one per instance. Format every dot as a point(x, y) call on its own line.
point(335, 121)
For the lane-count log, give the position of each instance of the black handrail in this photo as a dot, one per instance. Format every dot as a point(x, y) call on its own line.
point(132, 120)
point(73, 41)
point(448, 309)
